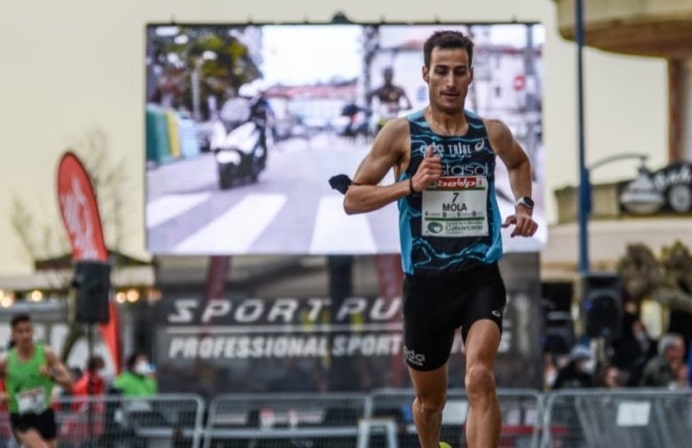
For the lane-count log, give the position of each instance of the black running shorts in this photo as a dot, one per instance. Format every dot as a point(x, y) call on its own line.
point(43, 423)
point(435, 306)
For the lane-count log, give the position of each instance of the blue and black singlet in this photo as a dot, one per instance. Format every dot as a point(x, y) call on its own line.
point(455, 224)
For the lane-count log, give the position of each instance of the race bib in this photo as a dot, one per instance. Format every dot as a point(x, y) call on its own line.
point(456, 207)
point(33, 400)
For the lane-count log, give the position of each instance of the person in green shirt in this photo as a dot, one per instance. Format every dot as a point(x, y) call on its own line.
point(30, 370)
point(138, 380)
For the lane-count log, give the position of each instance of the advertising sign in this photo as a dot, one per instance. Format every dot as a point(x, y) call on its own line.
point(314, 344)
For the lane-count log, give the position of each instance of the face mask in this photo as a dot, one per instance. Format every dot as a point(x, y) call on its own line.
point(142, 368)
point(588, 366)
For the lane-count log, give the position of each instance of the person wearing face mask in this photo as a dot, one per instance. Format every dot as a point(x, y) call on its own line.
point(138, 380)
point(578, 373)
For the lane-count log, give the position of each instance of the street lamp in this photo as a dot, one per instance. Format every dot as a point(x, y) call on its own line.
point(641, 196)
point(584, 203)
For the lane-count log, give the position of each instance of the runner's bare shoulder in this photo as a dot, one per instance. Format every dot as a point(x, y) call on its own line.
point(395, 135)
point(499, 134)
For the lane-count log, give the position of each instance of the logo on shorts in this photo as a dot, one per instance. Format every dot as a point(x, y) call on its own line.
point(496, 313)
point(414, 358)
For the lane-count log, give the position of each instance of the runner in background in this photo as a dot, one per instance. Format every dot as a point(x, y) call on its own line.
point(31, 370)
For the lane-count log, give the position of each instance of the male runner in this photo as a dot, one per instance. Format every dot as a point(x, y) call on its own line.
point(30, 370)
point(389, 97)
point(444, 158)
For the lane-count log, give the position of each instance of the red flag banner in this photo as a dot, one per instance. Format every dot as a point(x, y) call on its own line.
point(80, 214)
point(80, 211)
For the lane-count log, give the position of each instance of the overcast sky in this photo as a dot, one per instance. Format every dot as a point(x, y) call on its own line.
point(295, 54)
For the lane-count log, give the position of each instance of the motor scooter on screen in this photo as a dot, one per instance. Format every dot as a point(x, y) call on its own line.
point(241, 152)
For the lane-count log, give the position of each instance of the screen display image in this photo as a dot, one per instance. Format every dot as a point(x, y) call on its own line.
point(245, 124)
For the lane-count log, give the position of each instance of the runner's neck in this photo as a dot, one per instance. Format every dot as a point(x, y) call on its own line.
point(25, 353)
point(448, 124)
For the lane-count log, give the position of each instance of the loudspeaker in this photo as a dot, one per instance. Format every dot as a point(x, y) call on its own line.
point(601, 299)
point(558, 327)
point(92, 283)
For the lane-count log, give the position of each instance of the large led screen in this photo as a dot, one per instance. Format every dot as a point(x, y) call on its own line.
point(245, 124)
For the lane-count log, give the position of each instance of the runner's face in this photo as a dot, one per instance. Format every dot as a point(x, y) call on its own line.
point(448, 79)
point(23, 334)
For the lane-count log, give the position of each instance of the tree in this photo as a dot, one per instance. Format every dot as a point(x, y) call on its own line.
point(667, 280)
point(208, 62)
point(44, 237)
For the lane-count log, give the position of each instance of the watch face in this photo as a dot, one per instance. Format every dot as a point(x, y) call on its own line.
point(525, 201)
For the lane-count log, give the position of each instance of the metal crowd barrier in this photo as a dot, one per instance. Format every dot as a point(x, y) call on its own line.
point(583, 418)
point(286, 420)
point(521, 416)
point(113, 421)
point(632, 418)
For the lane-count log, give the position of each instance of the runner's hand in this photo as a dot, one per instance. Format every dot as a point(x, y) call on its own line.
point(523, 224)
point(45, 371)
point(429, 171)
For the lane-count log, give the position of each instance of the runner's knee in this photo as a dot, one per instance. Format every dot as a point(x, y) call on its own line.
point(480, 381)
point(429, 404)
point(32, 441)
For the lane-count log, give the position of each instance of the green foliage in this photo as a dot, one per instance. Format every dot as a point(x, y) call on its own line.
point(220, 59)
point(667, 278)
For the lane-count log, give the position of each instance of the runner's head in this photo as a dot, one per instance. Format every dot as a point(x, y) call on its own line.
point(447, 70)
point(447, 40)
point(22, 330)
point(388, 75)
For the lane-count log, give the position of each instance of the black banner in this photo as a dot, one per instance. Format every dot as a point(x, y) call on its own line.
point(295, 344)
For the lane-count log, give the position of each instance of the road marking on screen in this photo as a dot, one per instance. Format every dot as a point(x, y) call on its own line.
point(162, 209)
point(235, 231)
point(336, 232)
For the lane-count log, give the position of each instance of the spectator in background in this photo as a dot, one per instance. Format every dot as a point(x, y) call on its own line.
point(611, 378)
point(666, 368)
point(91, 382)
point(633, 350)
point(138, 380)
point(578, 373)
point(74, 427)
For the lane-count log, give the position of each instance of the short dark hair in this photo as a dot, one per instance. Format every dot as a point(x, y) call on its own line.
point(447, 40)
point(94, 363)
point(19, 319)
point(132, 360)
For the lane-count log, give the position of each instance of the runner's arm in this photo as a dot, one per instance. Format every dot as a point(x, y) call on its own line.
point(364, 194)
point(514, 158)
point(60, 374)
point(3, 371)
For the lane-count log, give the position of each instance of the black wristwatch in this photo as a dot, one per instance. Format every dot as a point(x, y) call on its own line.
point(525, 202)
